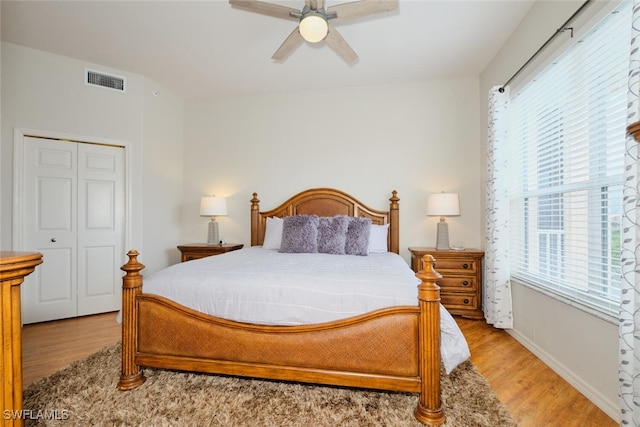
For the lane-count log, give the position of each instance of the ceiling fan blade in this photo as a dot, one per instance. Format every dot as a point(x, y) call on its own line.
point(359, 9)
point(265, 8)
point(291, 43)
point(339, 45)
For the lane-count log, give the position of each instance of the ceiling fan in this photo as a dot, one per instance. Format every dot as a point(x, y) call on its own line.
point(315, 22)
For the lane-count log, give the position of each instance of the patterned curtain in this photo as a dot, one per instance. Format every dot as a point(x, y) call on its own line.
point(629, 370)
point(497, 284)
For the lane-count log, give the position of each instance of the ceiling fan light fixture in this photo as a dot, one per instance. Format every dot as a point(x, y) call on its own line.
point(313, 22)
point(313, 27)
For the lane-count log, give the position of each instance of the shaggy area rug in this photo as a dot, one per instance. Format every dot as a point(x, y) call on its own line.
point(85, 394)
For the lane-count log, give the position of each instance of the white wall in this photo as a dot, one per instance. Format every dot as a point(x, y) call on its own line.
point(162, 177)
point(579, 346)
point(416, 138)
point(46, 92)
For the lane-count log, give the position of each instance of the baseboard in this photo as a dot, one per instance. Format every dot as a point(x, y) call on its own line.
point(612, 409)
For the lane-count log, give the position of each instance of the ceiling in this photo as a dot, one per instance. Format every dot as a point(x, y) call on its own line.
point(205, 49)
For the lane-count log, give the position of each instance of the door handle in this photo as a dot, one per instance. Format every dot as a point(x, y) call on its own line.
point(53, 239)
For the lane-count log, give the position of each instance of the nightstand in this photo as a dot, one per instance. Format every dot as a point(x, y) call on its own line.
point(461, 283)
point(201, 250)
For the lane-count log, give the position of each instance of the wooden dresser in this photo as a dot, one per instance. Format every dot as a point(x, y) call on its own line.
point(461, 283)
point(201, 250)
point(14, 266)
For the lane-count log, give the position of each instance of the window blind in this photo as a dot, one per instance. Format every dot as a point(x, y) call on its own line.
point(566, 162)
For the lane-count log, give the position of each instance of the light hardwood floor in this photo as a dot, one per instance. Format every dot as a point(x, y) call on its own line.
point(534, 394)
point(50, 346)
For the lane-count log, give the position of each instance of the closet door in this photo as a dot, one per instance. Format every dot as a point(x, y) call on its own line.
point(100, 227)
point(50, 227)
point(74, 215)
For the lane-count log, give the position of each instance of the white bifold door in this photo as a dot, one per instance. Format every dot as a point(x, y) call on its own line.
point(74, 215)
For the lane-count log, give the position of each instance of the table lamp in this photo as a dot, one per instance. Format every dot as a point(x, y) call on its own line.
point(443, 204)
point(213, 206)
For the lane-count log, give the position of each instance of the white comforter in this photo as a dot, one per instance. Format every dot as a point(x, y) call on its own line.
point(262, 286)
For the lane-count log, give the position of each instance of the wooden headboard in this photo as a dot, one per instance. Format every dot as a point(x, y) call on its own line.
point(327, 202)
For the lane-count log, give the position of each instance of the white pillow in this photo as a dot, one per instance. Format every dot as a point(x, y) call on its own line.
point(273, 233)
point(378, 238)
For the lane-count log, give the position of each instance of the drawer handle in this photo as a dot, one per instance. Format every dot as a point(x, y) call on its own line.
point(466, 301)
point(465, 283)
point(465, 265)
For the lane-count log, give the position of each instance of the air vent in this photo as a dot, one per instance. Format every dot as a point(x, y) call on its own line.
point(108, 81)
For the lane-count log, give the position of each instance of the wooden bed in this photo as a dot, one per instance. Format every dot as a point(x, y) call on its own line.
point(396, 349)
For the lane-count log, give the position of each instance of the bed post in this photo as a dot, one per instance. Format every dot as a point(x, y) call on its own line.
point(255, 219)
point(429, 410)
point(394, 221)
point(131, 374)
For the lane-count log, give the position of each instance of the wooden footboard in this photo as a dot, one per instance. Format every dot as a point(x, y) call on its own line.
point(394, 349)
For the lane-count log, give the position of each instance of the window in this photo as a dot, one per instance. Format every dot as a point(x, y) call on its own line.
point(566, 160)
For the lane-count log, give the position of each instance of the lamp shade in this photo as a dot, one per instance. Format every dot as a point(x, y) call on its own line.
point(313, 27)
point(213, 206)
point(443, 204)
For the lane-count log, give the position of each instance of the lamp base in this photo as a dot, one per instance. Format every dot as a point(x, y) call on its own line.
point(213, 237)
point(442, 238)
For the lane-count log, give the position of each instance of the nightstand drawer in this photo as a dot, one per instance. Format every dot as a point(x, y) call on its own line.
point(469, 266)
point(454, 302)
point(461, 283)
point(202, 250)
point(189, 257)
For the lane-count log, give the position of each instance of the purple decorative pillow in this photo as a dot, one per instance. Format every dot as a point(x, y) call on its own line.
point(332, 234)
point(300, 234)
point(358, 236)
